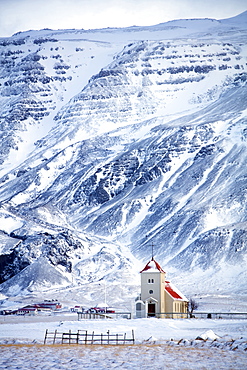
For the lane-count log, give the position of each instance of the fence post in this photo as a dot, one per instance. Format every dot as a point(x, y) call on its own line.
point(86, 337)
point(46, 332)
point(54, 338)
point(92, 337)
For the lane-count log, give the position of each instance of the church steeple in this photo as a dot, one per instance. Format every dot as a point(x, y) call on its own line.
point(152, 266)
point(153, 287)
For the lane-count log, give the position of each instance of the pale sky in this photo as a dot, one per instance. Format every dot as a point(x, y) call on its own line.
point(23, 15)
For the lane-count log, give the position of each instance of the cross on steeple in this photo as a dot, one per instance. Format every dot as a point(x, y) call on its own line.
point(152, 246)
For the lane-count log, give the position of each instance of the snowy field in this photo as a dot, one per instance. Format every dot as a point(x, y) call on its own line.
point(131, 357)
point(160, 343)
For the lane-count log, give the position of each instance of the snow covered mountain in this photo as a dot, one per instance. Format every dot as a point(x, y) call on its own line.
point(114, 140)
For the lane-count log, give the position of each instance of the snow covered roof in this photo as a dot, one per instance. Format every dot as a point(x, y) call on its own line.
point(102, 305)
point(152, 266)
point(174, 292)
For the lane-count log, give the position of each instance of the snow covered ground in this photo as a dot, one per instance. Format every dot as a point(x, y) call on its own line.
point(160, 343)
point(131, 357)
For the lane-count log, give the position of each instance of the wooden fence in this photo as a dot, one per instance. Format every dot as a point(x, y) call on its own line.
point(202, 315)
point(97, 315)
point(219, 315)
point(83, 337)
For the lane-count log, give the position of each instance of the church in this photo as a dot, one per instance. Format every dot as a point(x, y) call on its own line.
point(159, 297)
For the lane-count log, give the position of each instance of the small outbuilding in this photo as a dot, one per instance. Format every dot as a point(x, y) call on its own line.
point(31, 311)
point(159, 297)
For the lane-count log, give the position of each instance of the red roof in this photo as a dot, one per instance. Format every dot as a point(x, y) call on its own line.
point(171, 291)
point(152, 266)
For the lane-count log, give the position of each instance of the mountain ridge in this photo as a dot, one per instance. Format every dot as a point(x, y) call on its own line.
point(111, 146)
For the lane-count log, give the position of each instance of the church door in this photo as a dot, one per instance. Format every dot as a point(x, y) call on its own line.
point(151, 309)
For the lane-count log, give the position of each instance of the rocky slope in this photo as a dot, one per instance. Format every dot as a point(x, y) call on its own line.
point(115, 140)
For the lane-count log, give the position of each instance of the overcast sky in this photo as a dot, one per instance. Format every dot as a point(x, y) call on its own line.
point(23, 15)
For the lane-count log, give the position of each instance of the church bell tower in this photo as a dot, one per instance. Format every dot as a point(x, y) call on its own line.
point(152, 287)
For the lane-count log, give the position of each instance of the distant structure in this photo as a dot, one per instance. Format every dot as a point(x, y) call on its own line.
point(159, 297)
point(34, 309)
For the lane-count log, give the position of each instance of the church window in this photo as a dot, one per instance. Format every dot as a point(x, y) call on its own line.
point(151, 291)
point(150, 281)
point(138, 306)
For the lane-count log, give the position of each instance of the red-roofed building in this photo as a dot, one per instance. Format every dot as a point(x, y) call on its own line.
point(159, 297)
point(28, 310)
point(152, 265)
